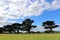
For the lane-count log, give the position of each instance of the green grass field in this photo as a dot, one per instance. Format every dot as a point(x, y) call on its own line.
point(30, 36)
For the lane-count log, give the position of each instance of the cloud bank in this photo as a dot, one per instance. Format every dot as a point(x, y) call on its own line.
point(15, 9)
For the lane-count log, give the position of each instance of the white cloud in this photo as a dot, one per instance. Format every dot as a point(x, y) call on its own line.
point(15, 9)
point(39, 28)
point(56, 4)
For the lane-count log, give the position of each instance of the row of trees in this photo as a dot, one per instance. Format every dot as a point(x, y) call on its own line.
point(26, 25)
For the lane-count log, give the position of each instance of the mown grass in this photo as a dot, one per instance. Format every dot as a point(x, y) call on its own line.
point(30, 36)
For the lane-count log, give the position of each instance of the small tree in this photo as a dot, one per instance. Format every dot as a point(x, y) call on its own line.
point(8, 28)
point(49, 25)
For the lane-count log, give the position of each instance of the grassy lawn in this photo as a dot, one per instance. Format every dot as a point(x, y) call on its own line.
point(30, 36)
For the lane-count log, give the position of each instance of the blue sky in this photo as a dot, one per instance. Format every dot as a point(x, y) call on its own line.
point(53, 15)
point(13, 11)
point(46, 15)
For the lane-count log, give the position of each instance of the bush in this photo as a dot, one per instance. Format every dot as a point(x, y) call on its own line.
point(49, 31)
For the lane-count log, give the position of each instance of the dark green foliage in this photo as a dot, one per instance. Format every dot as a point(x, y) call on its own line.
point(49, 25)
point(27, 25)
point(8, 28)
point(38, 32)
point(16, 26)
point(48, 31)
point(1, 29)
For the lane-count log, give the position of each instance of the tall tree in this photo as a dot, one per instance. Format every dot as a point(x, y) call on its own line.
point(27, 25)
point(49, 25)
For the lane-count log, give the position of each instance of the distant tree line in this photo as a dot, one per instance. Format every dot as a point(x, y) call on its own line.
point(26, 25)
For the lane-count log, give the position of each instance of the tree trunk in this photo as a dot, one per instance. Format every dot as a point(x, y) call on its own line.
point(29, 31)
point(17, 30)
point(9, 31)
point(51, 30)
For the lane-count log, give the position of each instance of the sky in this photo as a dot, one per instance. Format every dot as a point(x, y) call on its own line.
point(16, 11)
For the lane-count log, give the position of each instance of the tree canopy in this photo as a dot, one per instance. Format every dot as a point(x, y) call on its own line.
point(49, 25)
